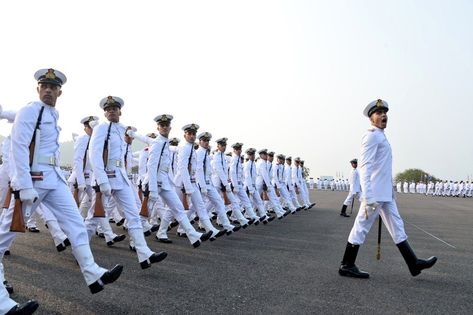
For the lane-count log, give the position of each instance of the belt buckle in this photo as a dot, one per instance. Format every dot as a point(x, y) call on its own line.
point(110, 174)
point(52, 160)
point(118, 163)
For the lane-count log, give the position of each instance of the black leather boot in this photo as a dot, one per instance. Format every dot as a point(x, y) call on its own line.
point(348, 267)
point(24, 309)
point(415, 265)
point(343, 212)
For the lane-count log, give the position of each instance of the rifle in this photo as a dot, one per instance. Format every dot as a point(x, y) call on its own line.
point(226, 200)
point(185, 199)
point(17, 223)
point(144, 205)
point(264, 194)
point(140, 192)
point(75, 194)
point(99, 211)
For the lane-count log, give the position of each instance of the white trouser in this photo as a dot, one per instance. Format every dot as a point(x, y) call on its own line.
point(273, 200)
point(304, 194)
point(6, 303)
point(286, 197)
point(293, 194)
point(245, 201)
point(98, 223)
point(125, 199)
point(350, 198)
point(62, 205)
point(236, 209)
point(177, 210)
point(33, 219)
point(53, 226)
point(258, 202)
point(216, 200)
point(198, 206)
point(391, 219)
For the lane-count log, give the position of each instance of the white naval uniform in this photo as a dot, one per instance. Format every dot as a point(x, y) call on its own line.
point(290, 185)
point(355, 187)
point(263, 181)
point(203, 173)
point(236, 179)
point(185, 180)
point(83, 176)
point(121, 186)
point(280, 185)
point(159, 181)
point(221, 182)
point(297, 183)
point(53, 190)
point(376, 186)
point(249, 174)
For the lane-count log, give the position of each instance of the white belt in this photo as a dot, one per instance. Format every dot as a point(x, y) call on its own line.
point(48, 160)
point(117, 163)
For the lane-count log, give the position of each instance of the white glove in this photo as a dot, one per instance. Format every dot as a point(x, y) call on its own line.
point(93, 123)
point(28, 195)
point(236, 189)
point(270, 189)
point(204, 191)
point(106, 189)
point(371, 206)
point(81, 187)
point(153, 195)
point(131, 133)
point(228, 188)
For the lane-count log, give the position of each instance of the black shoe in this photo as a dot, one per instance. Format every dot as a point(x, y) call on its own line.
point(236, 228)
point(155, 227)
point(46, 226)
point(132, 248)
point(352, 271)
point(33, 229)
point(244, 226)
point(220, 233)
point(8, 287)
point(214, 217)
point(119, 238)
point(24, 309)
point(228, 232)
point(173, 224)
point(164, 240)
point(109, 276)
point(270, 218)
point(154, 258)
point(67, 242)
point(415, 265)
point(251, 221)
point(343, 214)
point(120, 223)
point(312, 205)
point(256, 222)
point(261, 219)
point(181, 234)
point(147, 233)
point(285, 208)
point(286, 213)
point(206, 236)
point(196, 244)
point(111, 220)
point(101, 235)
point(61, 247)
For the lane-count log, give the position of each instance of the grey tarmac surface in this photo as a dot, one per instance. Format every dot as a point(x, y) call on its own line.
point(285, 267)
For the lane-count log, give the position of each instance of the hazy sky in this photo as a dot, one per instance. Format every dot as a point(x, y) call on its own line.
point(292, 76)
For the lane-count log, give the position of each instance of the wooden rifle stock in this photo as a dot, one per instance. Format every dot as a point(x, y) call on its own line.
point(185, 201)
point(144, 204)
point(264, 195)
point(277, 191)
point(99, 211)
point(297, 190)
point(140, 193)
point(75, 194)
point(17, 222)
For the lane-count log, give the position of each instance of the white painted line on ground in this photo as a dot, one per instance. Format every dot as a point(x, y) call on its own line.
point(430, 234)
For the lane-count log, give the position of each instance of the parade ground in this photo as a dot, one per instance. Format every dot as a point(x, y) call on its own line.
point(289, 266)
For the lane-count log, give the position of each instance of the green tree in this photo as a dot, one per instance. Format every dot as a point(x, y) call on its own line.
point(414, 175)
